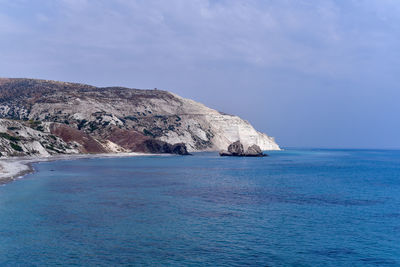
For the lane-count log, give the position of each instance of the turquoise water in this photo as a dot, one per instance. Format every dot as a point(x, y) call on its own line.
point(294, 208)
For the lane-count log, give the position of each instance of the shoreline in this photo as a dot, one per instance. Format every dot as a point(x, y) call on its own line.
point(15, 168)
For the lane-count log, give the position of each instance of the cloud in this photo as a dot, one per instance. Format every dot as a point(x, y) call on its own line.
point(8, 25)
point(310, 36)
point(301, 35)
point(324, 38)
point(278, 53)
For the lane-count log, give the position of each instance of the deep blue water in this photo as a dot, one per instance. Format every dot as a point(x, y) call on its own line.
point(294, 208)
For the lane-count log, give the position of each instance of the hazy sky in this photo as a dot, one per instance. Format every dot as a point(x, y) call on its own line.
point(311, 73)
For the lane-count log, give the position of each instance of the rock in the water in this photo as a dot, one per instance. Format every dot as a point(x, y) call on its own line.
point(236, 149)
point(254, 151)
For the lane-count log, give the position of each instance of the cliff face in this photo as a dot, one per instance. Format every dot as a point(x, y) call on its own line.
point(20, 139)
point(121, 119)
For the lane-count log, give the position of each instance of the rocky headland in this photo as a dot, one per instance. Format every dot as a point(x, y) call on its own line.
point(42, 118)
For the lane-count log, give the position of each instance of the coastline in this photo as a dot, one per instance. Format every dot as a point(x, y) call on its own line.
point(17, 167)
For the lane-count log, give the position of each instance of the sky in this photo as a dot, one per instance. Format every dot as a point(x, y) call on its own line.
point(311, 73)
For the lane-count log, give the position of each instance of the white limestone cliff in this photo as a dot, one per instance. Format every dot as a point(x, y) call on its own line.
point(225, 128)
point(125, 113)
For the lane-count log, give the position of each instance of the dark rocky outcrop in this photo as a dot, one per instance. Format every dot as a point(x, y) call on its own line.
point(236, 150)
point(157, 146)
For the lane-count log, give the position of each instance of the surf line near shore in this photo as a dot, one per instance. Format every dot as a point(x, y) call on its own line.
point(14, 168)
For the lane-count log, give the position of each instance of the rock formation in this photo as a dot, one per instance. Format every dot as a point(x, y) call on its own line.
point(88, 119)
point(236, 149)
point(254, 151)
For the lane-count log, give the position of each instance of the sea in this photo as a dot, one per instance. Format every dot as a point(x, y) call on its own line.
point(297, 207)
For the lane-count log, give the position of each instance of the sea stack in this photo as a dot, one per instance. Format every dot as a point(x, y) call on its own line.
point(236, 149)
